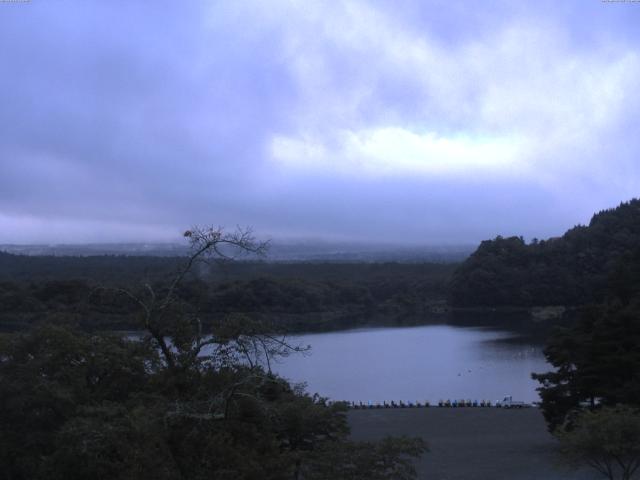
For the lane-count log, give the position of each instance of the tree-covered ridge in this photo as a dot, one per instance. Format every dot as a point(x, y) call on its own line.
point(300, 296)
point(568, 270)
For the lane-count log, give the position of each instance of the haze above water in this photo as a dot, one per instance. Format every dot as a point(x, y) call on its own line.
point(416, 364)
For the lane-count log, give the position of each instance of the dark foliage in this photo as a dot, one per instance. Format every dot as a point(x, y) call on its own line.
point(295, 297)
point(597, 360)
point(75, 405)
point(175, 404)
point(569, 270)
point(607, 440)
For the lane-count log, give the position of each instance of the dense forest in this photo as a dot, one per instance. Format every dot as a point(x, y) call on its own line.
point(178, 403)
point(570, 270)
point(597, 359)
point(292, 296)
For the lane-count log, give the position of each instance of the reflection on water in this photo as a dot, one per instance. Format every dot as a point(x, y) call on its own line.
point(416, 364)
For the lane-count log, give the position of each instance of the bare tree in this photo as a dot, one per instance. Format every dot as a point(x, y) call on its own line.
point(179, 336)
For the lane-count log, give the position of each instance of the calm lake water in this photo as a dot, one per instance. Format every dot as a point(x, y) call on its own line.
point(416, 364)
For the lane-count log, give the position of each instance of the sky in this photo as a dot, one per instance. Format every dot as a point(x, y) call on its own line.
point(399, 121)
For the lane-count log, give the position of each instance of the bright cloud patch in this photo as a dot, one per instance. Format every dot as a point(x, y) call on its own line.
point(545, 107)
point(395, 150)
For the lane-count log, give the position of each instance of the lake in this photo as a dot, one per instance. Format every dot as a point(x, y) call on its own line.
point(416, 364)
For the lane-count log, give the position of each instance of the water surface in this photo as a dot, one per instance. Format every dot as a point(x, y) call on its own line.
point(416, 364)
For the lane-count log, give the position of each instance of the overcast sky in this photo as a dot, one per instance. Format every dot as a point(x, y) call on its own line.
point(404, 121)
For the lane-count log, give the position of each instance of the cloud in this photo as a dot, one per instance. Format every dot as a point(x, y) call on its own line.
point(510, 102)
point(359, 119)
point(396, 151)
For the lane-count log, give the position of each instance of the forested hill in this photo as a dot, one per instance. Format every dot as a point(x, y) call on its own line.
point(299, 296)
point(570, 270)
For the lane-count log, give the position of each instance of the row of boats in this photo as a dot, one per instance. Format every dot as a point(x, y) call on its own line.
point(507, 402)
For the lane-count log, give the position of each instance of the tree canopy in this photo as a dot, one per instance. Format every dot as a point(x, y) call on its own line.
point(176, 403)
point(608, 440)
point(597, 360)
point(568, 270)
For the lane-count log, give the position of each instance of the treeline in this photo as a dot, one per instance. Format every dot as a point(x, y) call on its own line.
point(106, 269)
point(597, 359)
point(574, 269)
point(82, 291)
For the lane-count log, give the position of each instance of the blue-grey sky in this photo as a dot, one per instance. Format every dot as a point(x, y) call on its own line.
point(403, 121)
